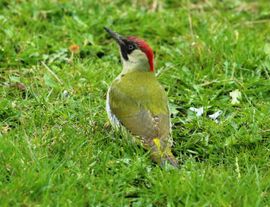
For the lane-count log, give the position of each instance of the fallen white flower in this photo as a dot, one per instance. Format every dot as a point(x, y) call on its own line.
point(215, 115)
point(198, 111)
point(65, 94)
point(236, 95)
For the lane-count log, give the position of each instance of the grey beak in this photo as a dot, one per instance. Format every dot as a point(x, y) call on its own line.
point(121, 41)
point(118, 38)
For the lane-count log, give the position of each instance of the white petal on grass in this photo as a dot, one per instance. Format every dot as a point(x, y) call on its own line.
point(236, 96)
point(65, 94)
point(198, 111)
point(215, 116)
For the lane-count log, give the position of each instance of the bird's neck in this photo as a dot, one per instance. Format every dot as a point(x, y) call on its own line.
point(137, 61)
point(129, 67)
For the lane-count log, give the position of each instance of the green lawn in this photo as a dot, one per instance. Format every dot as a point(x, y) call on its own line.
point(56, 147)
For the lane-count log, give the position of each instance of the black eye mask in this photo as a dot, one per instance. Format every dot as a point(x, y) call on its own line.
point(127, 48)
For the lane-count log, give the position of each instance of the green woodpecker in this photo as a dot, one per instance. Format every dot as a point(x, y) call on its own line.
point(137, 101)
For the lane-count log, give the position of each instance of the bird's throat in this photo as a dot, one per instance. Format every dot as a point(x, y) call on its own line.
point(137, 61)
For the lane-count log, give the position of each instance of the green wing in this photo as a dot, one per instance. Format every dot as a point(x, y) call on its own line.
point(140, 104)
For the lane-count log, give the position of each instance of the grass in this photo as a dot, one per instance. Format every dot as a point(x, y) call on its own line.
point(56, 148)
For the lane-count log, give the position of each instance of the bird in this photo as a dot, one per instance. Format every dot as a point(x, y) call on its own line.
point(137, 102)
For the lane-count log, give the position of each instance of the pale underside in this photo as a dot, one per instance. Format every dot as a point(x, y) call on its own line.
point(113, 119)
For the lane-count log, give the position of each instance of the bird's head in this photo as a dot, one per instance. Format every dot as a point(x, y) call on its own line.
point(135, 53)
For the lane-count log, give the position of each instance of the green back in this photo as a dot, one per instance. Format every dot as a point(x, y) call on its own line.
point(140, 103)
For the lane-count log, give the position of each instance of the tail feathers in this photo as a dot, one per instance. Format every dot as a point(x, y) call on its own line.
point(162, 155)
point(163, 159)
point(171, 160)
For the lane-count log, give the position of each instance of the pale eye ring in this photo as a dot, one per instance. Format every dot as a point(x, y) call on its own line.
point(130, 47)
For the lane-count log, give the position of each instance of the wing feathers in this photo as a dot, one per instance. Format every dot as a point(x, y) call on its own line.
point(143, 112)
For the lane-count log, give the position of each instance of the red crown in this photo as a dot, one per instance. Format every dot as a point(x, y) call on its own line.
point(146, 49)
